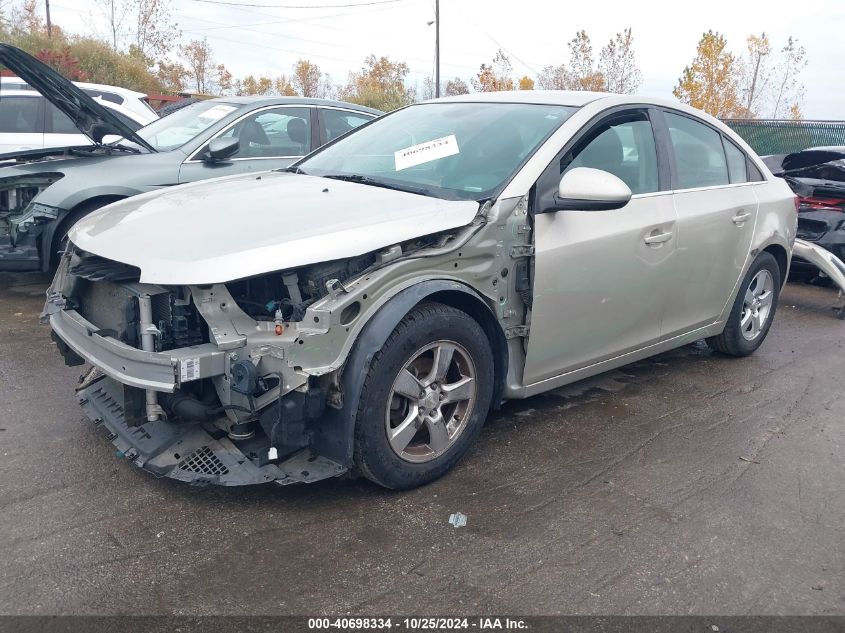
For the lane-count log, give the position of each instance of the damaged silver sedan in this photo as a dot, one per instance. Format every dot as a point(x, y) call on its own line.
point(365, 309)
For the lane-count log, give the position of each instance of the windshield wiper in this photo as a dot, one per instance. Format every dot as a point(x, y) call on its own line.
point(294, 170)
point(108, 148)
point(366, 180)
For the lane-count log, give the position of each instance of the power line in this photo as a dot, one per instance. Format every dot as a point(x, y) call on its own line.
point(493, 39)
point(294, 6)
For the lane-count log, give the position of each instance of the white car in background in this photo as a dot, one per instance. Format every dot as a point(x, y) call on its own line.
point(133, 102)
point(28, 121)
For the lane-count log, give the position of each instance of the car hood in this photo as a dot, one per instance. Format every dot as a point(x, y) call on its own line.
point(92, 119)
point(239, 226)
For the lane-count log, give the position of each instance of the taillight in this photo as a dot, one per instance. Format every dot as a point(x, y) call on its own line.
point(812, 203)
point(797, 202)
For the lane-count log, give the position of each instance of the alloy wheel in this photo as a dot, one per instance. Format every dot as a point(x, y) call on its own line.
point(757, 305)
point(431, 401)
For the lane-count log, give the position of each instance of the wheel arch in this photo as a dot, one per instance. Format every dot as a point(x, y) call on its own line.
point(781, 257)
point(334, 435)
point(71, 217)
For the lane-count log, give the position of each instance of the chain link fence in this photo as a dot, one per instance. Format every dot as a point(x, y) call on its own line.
point(784, 137)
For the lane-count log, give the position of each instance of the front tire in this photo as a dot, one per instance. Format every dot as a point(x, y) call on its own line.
point(753, 310)
point(424, 399)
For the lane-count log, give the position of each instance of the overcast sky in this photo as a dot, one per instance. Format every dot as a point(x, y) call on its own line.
point(267, 41)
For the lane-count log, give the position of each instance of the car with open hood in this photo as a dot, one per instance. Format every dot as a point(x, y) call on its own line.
point(44, 192)
point(364, 309)
point(817, 176)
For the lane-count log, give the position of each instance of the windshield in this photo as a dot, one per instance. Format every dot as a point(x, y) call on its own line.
point(457, 151)
point(178, 128)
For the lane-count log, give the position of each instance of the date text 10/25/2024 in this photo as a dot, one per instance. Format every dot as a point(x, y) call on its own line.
point(417, 624)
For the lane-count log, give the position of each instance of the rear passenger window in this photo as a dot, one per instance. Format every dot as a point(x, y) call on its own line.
point(339, 122)
point(736, 163)
point(699, 155)
point(20, 115)
point(60, 123)
point(625, 149)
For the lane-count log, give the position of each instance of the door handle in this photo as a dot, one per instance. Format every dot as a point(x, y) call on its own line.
point(657, 238)
point(741, 217)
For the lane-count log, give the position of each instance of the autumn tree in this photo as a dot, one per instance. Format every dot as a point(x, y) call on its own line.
point(285, 86)
point(252, 85)
point(710, 82)
point(379, 84)
point(77, 56)
point(427, 92)
point(223, 79)
point(308, 79)
point(173, 76)
point(555, 78)
point(143, 26)
point(618, 66)
point(154, 33)
point(114, 13)
point(755, 74)
point(64, 61)
point(787, 89)
point(526, 83)
point(200, 61)
point(456, 86)
point(496, 76)
point(583, 75)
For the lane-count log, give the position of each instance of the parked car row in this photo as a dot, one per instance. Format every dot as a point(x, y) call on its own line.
point(364, 307)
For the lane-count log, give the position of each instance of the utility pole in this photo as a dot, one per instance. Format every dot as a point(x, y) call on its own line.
point(49, 24)
point(437, 48)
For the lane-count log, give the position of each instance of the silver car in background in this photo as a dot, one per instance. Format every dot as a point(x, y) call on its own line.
point(365, 308)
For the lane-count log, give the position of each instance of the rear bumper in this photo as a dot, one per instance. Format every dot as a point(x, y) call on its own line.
point(199, 454)
point(161, 371)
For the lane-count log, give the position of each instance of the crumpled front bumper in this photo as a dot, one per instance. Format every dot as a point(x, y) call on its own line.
point(131, 366)
point(199, 454)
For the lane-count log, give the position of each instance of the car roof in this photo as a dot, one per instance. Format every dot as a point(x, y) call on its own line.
point(571, 98)
point(261, 100)
point(576, 98)
point(126, 92)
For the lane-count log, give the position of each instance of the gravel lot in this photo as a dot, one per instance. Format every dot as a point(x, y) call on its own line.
point(686, 484)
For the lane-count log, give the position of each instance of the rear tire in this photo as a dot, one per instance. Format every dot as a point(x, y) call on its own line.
point(424, 399)
point(753, 309)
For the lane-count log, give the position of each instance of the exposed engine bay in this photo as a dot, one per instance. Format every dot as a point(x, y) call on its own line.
point(219, 416)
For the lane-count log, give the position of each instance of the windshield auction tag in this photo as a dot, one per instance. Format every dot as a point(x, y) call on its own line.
point(426, 152)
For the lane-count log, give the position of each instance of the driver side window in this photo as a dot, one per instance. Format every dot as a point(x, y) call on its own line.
point(273, 133)
point(624, 147)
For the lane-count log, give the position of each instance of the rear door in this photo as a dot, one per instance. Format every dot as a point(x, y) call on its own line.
point(21, 122)
point(270, 138)
point(600, 277)
point(716, 206)
point(59, 130)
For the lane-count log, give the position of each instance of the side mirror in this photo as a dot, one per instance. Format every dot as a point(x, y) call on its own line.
point(587, 189)
point(222, 148)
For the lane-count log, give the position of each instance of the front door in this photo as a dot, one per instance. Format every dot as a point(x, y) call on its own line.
point(270, 138)
point(600, 277)
point(717, 208)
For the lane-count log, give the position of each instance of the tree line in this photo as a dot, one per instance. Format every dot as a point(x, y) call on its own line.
point(140, 49)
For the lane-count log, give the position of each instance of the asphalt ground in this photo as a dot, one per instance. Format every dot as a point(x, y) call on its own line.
point(690, 483)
